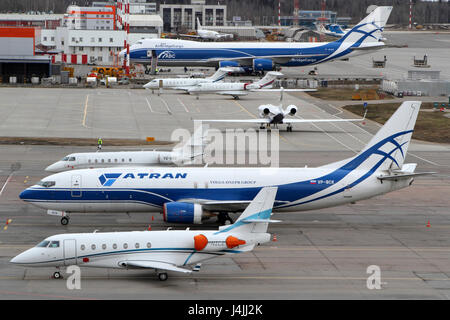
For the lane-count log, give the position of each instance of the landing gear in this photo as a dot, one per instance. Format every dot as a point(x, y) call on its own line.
point(57, 275)
point(223, 217)
point(289, 129)
point(65, 221)
point(162, 276)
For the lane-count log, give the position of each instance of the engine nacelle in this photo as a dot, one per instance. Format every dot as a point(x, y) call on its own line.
point(262, 65)
point(224, 64)
point(291, 110)
point(182, 212)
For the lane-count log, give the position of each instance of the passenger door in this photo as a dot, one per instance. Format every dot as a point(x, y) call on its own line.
point(75, 189)
point(70, 252)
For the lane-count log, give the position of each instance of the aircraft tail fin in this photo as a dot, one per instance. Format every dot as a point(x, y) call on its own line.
point(199, 26)
point(370, 29)
point(388, 147)
point(219, 75)
point(256, 217)
point(268, 80)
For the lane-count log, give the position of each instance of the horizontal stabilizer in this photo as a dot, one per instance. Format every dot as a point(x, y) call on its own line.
point(402, 175)
point(261, 220)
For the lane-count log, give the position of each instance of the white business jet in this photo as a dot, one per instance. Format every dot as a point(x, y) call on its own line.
point(273, 115)
point(186, 83)
point(159, 250)
point(180, 155)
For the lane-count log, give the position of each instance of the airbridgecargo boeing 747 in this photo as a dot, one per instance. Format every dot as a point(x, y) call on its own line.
point(364, 38)
point(192, 194)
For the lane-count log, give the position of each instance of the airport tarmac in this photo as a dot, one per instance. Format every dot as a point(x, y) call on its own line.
point(322, 254)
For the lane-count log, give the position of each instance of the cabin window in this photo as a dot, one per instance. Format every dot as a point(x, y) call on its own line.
point(103, 160)
point(130, 159)
point(93, 247)
point(114, 246)
point(123, 160)
point(125, 245)
point(43, 244)
point(83, 247)
point(109, 160)
point(149, 245)
point(115, 160)
point(89, 160)
point(96, 161)
point(136, 245)
point(54, 244)
point(103, 246)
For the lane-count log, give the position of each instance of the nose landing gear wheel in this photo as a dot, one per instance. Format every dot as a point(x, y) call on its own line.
point(65, 221)
point(57, 275)
point(162, 276)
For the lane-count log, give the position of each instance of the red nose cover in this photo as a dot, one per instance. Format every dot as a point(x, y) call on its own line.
point(233, 242)
point(200, 242)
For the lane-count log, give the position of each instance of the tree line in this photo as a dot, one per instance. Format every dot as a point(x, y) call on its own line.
point(266, 11)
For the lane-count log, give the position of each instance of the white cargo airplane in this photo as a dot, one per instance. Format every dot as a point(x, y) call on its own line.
point(186, 83)
point(208, 34)
point(180, 155)
point(159, 250)
point(190, 194)
point(271, 115)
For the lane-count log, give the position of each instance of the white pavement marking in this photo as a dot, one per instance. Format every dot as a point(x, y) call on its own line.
point(6, 182)
point(85, 111)
point(167, 106)
point(184, 106)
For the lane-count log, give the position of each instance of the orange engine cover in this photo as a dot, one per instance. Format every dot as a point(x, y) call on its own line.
point(200, 242)
point(233, 242)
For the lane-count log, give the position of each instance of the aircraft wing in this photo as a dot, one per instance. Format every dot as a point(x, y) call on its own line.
point(262, 120)
point(231, 206)
point(190, 36)
point(182, 88)
point(233, 93)
point(286, 120)
point(149, 264)
point(276, 58)
point(402, 175)
point(285, 90)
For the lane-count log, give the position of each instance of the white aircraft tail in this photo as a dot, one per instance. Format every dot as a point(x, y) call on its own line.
point(219, 75)
point(268, 80)
point(256, 217)
point(193, 149)
point(199, 26)
point(370, 29)
point(388, 147)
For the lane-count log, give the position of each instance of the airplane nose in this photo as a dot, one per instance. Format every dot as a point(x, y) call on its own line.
point(122, 53)
point(24, 194)
point(51, 168)
point(22, 258)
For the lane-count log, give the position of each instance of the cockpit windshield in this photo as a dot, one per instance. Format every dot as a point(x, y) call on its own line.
point(46, 184)
point(68, 159)
point(43, 244)
point(54, 244)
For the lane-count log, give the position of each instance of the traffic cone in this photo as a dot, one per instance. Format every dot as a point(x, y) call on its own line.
point(153, 218)
point(274, 238)
point(149, 227)
point(428, 224)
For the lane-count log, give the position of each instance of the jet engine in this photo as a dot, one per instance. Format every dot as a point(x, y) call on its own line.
point(216, 243)
point(182, 212)
point(291, 110)
point(262, 65)
point(224, 64)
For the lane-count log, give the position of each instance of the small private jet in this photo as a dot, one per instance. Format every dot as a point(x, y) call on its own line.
point(208, 34)
point(162, 251)
point(186, 83)
point(272, 115)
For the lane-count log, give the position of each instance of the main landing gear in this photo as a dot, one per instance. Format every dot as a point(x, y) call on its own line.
point(289, 128)
point(65, 220)
point(162, 276)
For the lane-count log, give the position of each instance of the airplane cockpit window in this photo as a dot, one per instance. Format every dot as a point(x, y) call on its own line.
point(72, 159)
point(54, 244)
point(43, 244)
point(65, 159)
point(46, 184)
